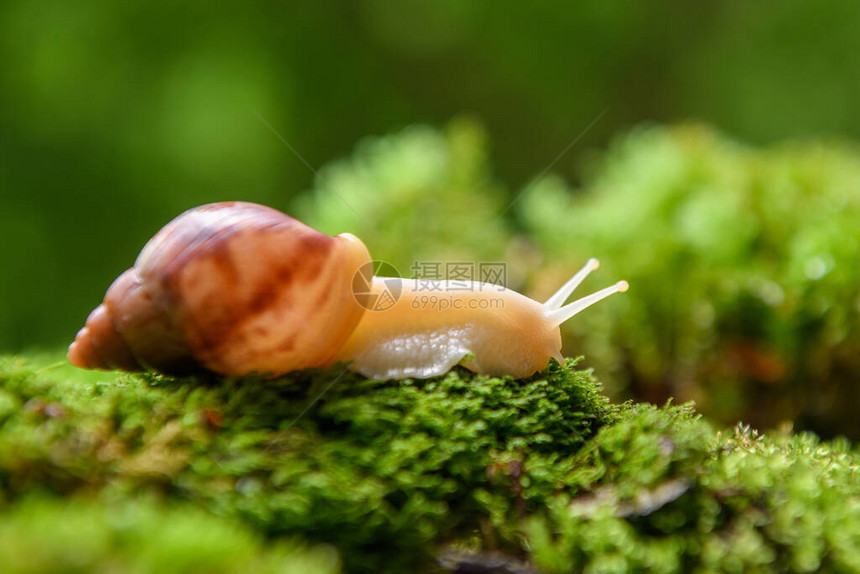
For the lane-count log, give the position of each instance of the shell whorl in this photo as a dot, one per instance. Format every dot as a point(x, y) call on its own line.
point(233, 288)
point(129, 332)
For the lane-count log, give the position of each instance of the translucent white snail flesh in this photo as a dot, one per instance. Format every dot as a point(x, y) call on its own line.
point(486, 328)
point(238, 288)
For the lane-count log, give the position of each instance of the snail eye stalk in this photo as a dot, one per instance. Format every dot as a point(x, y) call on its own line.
point(557, 314)
point(560, 296)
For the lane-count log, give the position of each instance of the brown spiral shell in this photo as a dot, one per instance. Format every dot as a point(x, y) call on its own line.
point(234, 288)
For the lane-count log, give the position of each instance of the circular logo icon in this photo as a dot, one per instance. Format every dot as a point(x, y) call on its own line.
point(377, 294)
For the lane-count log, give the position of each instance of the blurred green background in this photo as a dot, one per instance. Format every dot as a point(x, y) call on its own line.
point(431, 118)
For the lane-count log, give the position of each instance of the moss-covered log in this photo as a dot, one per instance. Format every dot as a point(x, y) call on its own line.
point(393, 474)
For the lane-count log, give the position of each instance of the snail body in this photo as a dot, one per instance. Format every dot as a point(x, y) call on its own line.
point(238, 288)
point(486, 328)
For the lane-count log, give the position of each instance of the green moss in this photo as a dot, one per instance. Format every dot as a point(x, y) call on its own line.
point(41, 534)
point(390, 473)
point(742, 270)
point(370, 464)
point(661, 491)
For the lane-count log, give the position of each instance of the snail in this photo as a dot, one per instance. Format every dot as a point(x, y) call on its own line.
point(238, 288)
